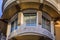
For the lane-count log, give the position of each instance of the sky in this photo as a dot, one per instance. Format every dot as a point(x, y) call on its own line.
point(0, 8)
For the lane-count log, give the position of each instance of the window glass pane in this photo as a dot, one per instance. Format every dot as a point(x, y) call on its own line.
point(46, 24)
point(16, 24)
point(30, 19)
point(33, 20)
point(43, 23)
point(12, 26)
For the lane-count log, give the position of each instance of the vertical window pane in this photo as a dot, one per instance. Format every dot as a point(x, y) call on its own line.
point(16, 24)
point(46, 23)
point(12, 26)
point(30, 19)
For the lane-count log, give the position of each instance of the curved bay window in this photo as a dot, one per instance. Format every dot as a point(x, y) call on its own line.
point(46, 23)
point(30, 19)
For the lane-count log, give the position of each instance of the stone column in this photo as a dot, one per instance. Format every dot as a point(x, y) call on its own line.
point(52, 29)
point(20, 18)
point(8, 30)
point(39, 18)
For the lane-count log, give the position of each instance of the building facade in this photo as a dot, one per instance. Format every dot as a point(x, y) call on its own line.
point(30, 19)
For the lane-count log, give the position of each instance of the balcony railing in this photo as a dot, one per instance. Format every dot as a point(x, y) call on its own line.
point(23, 30)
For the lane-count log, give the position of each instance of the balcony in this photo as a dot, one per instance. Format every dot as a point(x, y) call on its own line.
point(23, 30)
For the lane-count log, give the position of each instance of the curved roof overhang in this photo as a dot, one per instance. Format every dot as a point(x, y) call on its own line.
point(47, 7)
point(52, 8)
point(52, 4)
